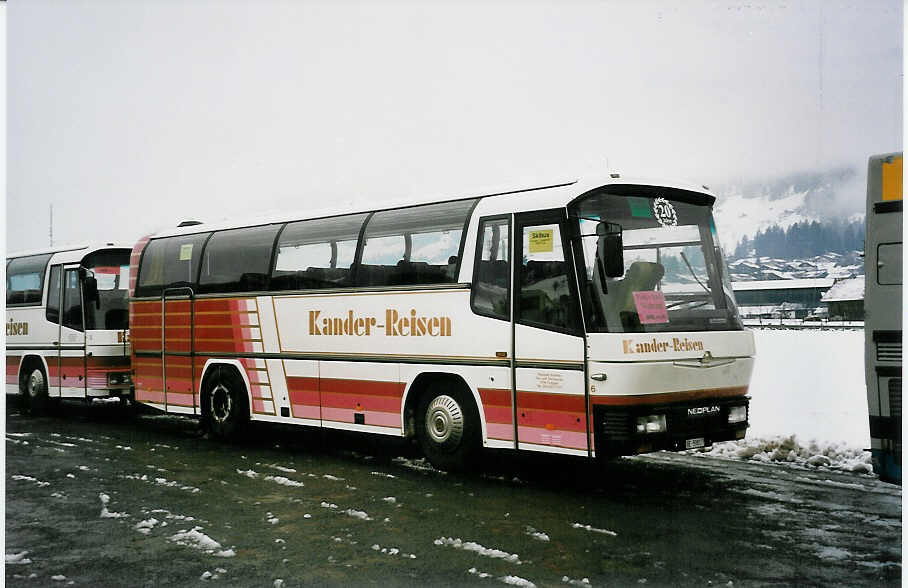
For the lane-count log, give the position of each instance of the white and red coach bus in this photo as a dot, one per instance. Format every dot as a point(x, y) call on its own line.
point(584, 318)
point(67, 316)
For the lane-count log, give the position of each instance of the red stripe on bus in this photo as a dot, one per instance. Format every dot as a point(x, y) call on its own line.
point(547, 401)
point(496, 396)
point(366, 387)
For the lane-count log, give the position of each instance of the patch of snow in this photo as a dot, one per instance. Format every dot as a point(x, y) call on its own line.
point(328, 505)
point(789, 449)
point(583, 582)
point(162, 482)
point(517, 581)
point(594, 529)
point(358, 514)
point(330, 477)
point(106, 514)
point(477, 548)
point(58, 578)
point(419, 465)
point(146, 526)
point(272, 519)
point(17, 558)
point(284, 481)
point(124, 447)
point(197, 540)
point(476, 572)
point(282, 469)
point(35, 481)
point(248, 473)
point(390, 499)
point(383, 475)
point(307, 516)
point(537, 535)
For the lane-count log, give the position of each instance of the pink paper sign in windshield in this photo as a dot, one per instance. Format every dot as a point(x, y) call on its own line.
point(651, 307)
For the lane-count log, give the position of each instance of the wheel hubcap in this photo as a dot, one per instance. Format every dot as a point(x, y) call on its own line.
point(444, 421)
point(35, 383)
point(221, 403)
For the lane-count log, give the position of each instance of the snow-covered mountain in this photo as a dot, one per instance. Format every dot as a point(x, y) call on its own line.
point(743, 208)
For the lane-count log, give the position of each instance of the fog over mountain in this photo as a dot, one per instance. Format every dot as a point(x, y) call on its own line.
point(745, 207)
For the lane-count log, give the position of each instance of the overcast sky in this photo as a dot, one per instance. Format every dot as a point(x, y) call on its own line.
point(130, 116)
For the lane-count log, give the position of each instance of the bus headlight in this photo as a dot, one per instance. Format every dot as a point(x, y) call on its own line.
point(737, 414)
point(654, 423)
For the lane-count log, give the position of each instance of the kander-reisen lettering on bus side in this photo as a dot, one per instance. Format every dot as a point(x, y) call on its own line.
point(394, 325)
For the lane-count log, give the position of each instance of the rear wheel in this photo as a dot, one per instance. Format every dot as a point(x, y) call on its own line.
point(447, 427)
point(225, 408)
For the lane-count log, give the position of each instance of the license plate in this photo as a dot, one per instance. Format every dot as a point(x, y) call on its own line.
point(694, 443)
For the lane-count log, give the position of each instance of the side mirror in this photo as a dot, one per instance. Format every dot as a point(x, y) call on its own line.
point(90, 288)
point(610, 249)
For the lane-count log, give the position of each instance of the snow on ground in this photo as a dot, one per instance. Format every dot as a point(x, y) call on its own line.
point(196, 539)
point(107, 514)
point(35, 481)
point(538, 535)
point(476, 547)
point(284, 481)
point(788, 449)
point(162, 482)
point(594, 529)
point(17, 558)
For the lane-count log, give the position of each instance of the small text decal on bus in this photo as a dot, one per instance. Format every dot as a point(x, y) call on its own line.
point(655, 346)
point(394, 324)
point(14, 328)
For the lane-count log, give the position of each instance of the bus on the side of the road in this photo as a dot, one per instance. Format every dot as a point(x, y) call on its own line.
point(883, 313)
point(67, 312)
point(587, 318)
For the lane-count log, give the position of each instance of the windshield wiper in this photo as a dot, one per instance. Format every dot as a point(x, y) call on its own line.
point(693, 273)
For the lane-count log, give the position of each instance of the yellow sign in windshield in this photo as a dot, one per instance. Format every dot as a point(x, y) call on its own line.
point(541, 241)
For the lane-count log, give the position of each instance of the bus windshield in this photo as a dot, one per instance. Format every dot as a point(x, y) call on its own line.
point(674, 278)
point(111, 311)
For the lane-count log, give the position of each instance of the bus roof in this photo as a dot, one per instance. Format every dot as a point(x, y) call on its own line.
point(70, 253)
point(540, 196)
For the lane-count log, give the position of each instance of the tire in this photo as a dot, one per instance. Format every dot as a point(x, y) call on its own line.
point(225, 408)
point(33, 390)
point(447, 427)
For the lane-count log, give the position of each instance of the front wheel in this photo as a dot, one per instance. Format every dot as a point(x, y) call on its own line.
point(34, 391)
point(448, 428)
point(225, 408)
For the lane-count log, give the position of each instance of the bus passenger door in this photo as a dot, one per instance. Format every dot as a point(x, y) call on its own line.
point(548, 338)
point(177, 348)
point(71, 359)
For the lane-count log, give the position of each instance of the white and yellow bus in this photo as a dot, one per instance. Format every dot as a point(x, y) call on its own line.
point(66, 324)
point(883, 313)
point(584, 318)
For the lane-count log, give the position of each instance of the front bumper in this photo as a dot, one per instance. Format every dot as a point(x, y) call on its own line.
point(688, 425)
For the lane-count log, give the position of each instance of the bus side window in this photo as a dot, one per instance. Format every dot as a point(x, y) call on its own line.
point(316, 254)
point(491, 281)
point(238, 260)
point(53, 295)
point(72, 300)
point(25, 280)
point(415, 245)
